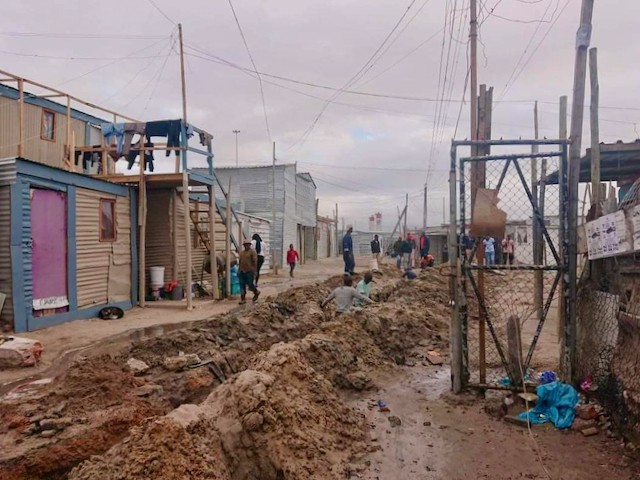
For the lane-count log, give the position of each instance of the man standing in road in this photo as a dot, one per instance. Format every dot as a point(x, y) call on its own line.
point(257, 246)
point(509, 248)
point(406, 252)
point(248, 266)
point(424, 245)
point(397, 251)
point(347, 252)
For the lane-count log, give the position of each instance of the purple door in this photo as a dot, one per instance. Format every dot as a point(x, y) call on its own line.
point(49, 251)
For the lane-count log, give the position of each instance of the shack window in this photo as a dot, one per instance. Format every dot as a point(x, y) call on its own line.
point(107, 220)
point(48, 126)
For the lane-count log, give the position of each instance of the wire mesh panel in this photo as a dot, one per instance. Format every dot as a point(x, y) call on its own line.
point(513, 275)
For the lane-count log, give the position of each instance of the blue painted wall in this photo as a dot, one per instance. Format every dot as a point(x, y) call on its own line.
point(30, 175)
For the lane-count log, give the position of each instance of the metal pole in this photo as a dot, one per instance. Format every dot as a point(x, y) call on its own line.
point(21, 118)
point(562, 134)
point(473, 93)
point(535, 227)
point(583, 38)
point(236, 132)
point(274, 255)
point(142, 221)
point(215, 294)
point(406, 208)
point(336, 233)
point(455, 328)
point(184, 91)
point(443, 210)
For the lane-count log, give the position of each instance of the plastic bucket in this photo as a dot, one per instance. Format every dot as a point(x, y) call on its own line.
point(157, 276)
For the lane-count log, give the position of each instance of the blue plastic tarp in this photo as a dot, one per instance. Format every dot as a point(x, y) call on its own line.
point(556, 403)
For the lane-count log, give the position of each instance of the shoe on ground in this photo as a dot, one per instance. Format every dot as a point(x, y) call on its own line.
point(242, 302)
point(256, 295)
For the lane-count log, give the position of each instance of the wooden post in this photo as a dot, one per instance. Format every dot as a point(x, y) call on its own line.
point(473, 96)
point(187, 238)
point(228, 241)
point(21, 118)
point(406, 207)
point(514, 348)
point(336, 232)
point(315, 234)
point(184, 90)
point(212, 243)
point(595, 129)
point(424, 209)
point(174, 234)
point(562, 134)
point(142, 240)
point(583, 39)
point(455, 324)
point(68, 141)
point(274, 250)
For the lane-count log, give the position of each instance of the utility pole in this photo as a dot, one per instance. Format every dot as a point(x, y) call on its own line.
point(583, 38)
point(595, 130)
point(236, 132)
point(274, 248)
point(336, 235)
point(473, 100)
point(424, 209)
point(184, 92)
point(406, 208)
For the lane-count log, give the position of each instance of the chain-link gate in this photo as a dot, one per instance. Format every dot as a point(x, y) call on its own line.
point(511, 295)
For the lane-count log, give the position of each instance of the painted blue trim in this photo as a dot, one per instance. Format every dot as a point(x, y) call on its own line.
point(44, 322)
point(202, 197)
point(201, 177)
point(72, 268)
point(197, 150)
point(210, 157)
point(44, 172)
point(133, 204)
point(17, 267)
point(44, 183)
point(10, 92)
point(184, 143)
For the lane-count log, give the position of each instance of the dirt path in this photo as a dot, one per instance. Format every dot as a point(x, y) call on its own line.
point(291, 393)
point(442, 437)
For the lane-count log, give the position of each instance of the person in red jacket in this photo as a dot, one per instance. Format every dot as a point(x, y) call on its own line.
point(292, 258)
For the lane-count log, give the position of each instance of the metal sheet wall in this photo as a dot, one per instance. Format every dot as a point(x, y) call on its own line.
point(94, 257)
point(36, 149)
point(262, 227)
point(6, 284)
point(305, 200)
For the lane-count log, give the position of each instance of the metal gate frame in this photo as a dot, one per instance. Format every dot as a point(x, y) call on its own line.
point(462, 268)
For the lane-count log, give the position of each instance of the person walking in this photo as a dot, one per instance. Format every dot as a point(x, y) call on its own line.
point(344, 296)
point(292, 258)
point(247, 266)
point(375, 248)
point(257, 246)
point(489, 250)
point(397, 251)
point(347, 252)
point(509, 248)
point(406, 253)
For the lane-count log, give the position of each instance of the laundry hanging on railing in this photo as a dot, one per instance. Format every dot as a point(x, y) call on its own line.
point(148, 155)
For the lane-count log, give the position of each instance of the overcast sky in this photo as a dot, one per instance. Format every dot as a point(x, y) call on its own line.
point(365, 152)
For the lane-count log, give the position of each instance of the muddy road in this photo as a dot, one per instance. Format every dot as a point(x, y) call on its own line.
point(283, 390)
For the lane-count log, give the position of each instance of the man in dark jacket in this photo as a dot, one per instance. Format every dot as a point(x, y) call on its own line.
point(406, 253)
point(375, 248)
point(257, 246)
point(347, 252)
point(397, 251)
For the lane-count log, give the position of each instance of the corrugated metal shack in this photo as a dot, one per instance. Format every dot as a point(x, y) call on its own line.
point(67, 243)
point(295, 203)
point(326, 235)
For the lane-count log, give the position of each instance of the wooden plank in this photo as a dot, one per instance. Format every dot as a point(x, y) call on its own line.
point(187, 238)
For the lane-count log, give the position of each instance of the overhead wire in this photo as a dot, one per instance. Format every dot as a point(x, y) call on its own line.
point(84, 36)
point(370, 61)
point(161, 12)
point(246, 46)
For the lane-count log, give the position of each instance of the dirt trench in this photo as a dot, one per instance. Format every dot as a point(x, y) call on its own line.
point(269, 407)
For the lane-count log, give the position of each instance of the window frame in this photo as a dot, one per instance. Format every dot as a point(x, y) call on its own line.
point(113, 239)
point(46, 111)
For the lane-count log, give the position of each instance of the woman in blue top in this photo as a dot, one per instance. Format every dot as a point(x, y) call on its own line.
point(489, 250)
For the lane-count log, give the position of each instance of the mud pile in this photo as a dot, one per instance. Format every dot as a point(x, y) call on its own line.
point(279, 419)
point(278, 409)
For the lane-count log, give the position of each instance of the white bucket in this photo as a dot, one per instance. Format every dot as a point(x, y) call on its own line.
point(157, 277)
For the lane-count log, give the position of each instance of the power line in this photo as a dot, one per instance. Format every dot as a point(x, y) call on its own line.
point(84, 36)
point(246, 46)
point(56, 57)
point(162, 13)
point(371, 61)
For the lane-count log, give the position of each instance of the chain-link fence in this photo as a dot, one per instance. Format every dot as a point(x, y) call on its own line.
point(522, 280)
point(607, 364)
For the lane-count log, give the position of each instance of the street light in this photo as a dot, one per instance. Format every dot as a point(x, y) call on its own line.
point(236, 132)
